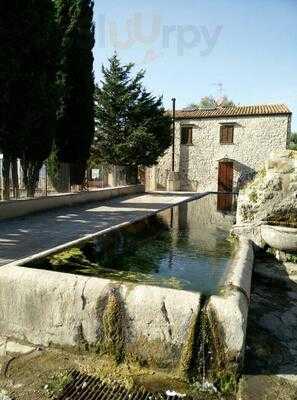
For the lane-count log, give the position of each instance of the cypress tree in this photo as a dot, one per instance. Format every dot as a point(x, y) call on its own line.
point(132, 128)
point(9, 72)
point(75, 117)
point(27, 81)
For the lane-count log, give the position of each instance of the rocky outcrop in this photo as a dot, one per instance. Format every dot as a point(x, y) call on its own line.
point(271, 197)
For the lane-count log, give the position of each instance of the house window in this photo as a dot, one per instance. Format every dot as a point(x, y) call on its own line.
point(186, 135)
point(227, 134)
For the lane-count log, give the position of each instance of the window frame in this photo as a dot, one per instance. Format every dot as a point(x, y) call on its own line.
point(189, 141)
point(229, 139)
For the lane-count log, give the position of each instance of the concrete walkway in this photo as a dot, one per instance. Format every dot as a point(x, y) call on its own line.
point(26, 236)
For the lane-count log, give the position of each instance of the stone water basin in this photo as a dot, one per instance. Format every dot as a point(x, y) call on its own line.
point(279, 237)
point(148, 291)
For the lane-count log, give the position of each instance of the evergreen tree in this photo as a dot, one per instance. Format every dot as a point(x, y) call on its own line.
point(293, 141)
point(58, 173)
point(132, 128)
point(9, 72)
point(27, 82)
point(75, 130)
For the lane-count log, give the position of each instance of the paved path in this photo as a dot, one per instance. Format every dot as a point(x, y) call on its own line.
point(271, 358)
point(25, 236)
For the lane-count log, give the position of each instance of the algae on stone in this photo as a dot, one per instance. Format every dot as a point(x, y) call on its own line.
point(112, 336)
point(188, 350)
point(74, 254)
point(215, 363)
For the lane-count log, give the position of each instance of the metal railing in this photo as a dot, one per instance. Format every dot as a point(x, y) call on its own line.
point(96, 178)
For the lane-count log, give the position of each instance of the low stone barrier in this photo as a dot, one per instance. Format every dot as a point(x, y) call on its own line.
point(149, 323)
point(18, 208)
point(228, 312)
point(240, 271)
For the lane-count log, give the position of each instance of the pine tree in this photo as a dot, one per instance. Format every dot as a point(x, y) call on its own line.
point(75, 131)
point(132, 128)
point(27, 82)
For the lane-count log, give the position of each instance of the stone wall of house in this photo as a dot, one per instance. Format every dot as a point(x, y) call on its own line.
point(254, 139)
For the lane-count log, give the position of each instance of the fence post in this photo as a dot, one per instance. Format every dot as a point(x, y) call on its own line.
point(46, 179)
point(1, 177)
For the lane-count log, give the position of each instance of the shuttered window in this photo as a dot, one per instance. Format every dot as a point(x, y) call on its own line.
point(186, 135)
point(227, 134)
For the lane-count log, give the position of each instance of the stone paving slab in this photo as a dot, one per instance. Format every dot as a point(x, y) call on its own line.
point(271, 357)
point(25, 236)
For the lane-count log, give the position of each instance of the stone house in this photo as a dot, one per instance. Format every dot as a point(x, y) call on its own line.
point(218, 149)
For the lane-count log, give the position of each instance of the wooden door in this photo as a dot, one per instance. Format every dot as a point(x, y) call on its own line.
point(225, 185)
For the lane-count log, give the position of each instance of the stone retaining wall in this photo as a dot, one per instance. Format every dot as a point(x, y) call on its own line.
point(17, 208)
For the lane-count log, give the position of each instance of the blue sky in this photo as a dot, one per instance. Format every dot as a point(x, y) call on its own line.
point(190, 47)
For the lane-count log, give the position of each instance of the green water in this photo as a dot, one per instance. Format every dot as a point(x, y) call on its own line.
point(185, 247)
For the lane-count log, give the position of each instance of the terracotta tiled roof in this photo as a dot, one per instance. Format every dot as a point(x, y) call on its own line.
point(239, 111)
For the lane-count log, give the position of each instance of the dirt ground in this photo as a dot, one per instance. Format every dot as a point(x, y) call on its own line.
point(25, 377)
point(40, 374)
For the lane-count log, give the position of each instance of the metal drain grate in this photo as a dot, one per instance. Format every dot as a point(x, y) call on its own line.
point(83, 387)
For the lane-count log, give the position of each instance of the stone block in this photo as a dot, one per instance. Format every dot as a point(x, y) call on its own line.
point(229, 315)
point(51, 308)
point(241, 268)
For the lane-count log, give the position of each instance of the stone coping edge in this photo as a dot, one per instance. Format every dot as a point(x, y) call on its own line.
point(240, 271)
point(230, 309)
point(172, 193)
point(68, 194)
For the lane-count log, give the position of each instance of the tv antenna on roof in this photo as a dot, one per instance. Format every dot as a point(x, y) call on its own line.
point(220, 97)
point(219, 87)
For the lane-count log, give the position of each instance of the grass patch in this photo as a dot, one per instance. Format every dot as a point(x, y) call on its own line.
point(57, 384)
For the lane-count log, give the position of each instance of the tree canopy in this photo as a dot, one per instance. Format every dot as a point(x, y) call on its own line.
point(211, 102)
point(132, 128)
point(293, 141)
point(28, 83)
point(46, 85)
point(75, 129)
